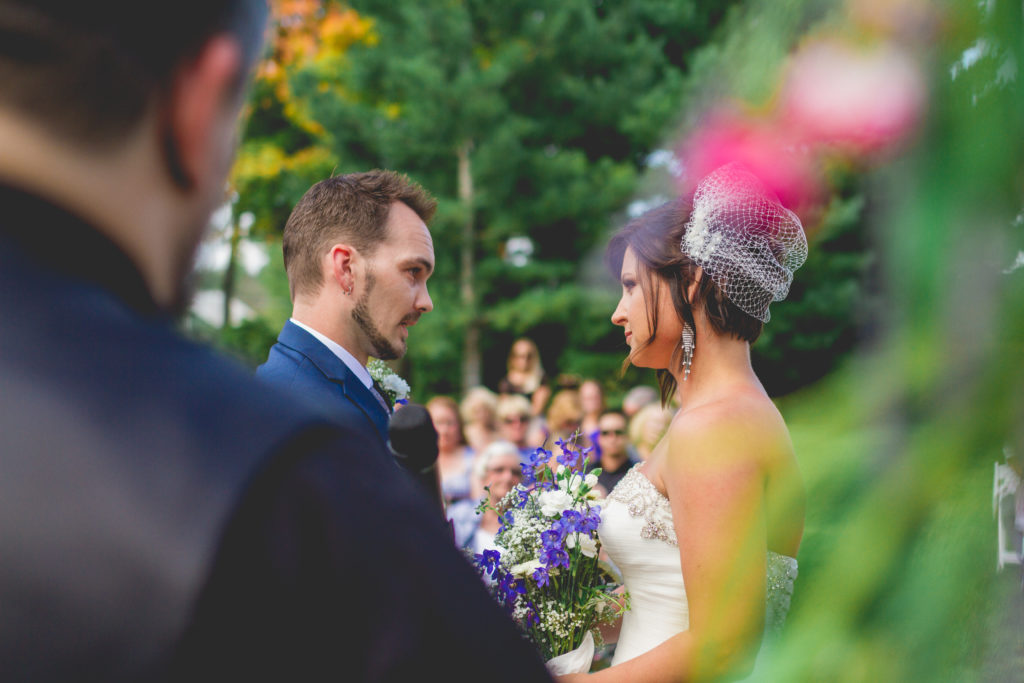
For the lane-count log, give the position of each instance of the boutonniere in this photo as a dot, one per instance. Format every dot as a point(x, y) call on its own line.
point(396, 389)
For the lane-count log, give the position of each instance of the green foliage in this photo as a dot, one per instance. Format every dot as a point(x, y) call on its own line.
point(558, 106)
point(247, 341)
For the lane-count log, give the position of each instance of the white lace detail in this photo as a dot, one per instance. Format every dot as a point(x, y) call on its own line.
point(782, 572)
point(643, 499)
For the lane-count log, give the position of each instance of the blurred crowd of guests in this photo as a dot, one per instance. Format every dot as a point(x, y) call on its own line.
point(485, 437)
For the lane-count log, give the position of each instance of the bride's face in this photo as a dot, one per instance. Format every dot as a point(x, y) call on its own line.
point(633, 315)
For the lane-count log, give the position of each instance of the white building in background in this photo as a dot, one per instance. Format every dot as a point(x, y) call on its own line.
point(208, 306)
point(213, 255)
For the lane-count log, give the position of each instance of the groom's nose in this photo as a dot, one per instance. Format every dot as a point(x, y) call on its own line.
point(424, 304)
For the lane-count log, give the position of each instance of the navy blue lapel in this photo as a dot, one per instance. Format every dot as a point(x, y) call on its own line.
point(337, 372)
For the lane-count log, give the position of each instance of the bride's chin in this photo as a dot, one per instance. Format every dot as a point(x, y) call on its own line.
point(645, 361)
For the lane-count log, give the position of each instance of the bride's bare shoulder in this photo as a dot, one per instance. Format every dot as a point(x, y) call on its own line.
point(743, 426)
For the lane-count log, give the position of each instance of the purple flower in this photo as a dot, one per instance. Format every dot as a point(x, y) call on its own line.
point(489, 561)
point(554, 557)
point(538, 462)
point(541, 576)
point(553, 537)
point(591, 521)
point(569, 458)
point(571, 521)
point(505, 521)
point(532, 618)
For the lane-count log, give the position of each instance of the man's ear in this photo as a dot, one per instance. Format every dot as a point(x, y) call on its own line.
point(198, 114)
point(341, 260)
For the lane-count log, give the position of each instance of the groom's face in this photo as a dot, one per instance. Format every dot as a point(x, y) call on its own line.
point(394, 288)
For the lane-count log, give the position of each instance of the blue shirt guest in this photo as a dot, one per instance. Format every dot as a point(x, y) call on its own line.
point(358, 254)
point(164, 516)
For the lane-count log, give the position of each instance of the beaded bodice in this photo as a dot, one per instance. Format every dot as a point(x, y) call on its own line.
point(644, 500)
point(639, 535)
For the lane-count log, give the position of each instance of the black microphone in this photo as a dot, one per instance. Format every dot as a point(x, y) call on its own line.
point(413, 441)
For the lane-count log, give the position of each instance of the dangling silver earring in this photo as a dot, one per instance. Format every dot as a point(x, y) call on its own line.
point(687, 345)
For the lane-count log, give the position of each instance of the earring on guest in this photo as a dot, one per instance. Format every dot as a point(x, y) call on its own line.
point(687, 344)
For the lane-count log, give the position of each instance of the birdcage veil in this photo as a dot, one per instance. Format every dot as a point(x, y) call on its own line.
point(744, 239)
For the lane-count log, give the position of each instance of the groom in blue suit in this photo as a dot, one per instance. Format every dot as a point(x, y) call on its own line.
point(358, 254)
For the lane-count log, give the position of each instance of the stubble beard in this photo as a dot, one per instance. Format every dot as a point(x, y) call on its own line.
point(382, 347)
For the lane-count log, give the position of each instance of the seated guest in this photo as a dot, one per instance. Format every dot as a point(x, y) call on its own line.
point(454, 460)
point(526, 375)
point(648, 426)
point(563, 422)
point(477, 411)
point(616, 458)
point(636, 398)
point(497, 471)
point(592, 402)
point(514, 422)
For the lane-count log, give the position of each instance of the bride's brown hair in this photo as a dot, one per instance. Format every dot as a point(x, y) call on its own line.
point(655, 238)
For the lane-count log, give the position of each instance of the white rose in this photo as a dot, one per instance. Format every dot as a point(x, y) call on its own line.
point(591, 480)
point(555, 502)
point(396, 385)
point(525, 569)
point(588, 546)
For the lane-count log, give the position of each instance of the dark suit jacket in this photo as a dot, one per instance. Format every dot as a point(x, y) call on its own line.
point(166, 516)
point(300, 363)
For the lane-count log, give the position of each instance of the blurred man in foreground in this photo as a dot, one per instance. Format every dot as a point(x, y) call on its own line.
point(164, 516)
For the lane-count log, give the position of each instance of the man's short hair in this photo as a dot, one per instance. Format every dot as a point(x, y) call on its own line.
point(89, 70)
point(350, 209)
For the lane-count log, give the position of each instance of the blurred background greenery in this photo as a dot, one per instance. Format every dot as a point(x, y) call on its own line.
point(542, 127)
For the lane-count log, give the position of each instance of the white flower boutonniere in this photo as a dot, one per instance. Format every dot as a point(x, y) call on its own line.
point(396, 389)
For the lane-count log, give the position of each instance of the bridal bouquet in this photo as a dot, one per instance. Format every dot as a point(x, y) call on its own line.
point(546, 573)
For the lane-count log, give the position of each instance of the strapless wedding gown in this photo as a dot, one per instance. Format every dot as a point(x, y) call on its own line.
point(638, 533)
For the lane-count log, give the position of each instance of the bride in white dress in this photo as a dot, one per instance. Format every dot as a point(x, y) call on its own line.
point(706, 530)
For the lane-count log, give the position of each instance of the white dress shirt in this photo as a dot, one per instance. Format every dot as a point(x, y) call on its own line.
point(347, 358)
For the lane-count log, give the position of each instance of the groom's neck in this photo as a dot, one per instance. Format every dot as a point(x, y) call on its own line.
point(329, 320)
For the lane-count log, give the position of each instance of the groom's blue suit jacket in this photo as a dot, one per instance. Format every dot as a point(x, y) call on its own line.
point(300, 363)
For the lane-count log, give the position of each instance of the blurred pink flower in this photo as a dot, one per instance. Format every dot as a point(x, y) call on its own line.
point(769, 151)
point(863, 101)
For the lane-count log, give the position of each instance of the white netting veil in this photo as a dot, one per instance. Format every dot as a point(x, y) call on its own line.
point(744, 239)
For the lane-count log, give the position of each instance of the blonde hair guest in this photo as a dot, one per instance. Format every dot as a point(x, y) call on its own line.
point(648, 426)
point(478, 411)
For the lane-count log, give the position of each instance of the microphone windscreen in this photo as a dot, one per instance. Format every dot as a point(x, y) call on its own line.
point(413, 437)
